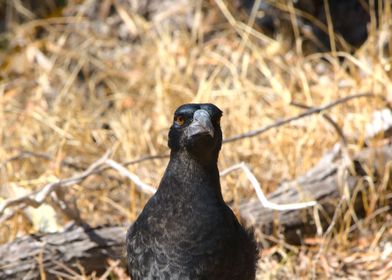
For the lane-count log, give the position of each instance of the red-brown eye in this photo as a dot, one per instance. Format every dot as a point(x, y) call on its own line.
point(179, 120)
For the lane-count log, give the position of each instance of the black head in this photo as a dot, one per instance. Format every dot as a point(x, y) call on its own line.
point(196, 130)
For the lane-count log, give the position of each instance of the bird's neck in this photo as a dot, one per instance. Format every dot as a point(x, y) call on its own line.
point(186, 176)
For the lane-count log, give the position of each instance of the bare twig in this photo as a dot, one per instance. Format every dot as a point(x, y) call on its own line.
point(309, 112)
point(145, 158)
point(339, 131)
point(252, 133)
point(123, 171)
point(36, 198)
point(259, 192)
point(12, 213)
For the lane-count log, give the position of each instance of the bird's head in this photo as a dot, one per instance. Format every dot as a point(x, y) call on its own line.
point(196, 130)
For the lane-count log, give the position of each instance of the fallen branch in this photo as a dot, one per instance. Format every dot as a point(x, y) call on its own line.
point(332, 179)
point(61, 253)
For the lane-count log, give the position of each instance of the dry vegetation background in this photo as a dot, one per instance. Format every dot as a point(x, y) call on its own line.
point(97, 75)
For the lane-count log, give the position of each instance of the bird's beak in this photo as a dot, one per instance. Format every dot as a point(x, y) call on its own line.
point(201, 124)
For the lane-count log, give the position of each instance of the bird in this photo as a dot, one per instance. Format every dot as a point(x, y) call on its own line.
point(186, 230)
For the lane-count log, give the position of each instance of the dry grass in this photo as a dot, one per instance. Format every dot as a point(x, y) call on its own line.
point(72, 87)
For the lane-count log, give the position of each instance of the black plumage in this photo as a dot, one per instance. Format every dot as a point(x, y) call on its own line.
point(186, 231)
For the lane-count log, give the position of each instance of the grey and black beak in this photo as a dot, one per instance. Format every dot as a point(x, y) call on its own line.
point(201, 124)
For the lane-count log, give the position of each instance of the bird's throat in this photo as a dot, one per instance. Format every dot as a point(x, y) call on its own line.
point(188, 177)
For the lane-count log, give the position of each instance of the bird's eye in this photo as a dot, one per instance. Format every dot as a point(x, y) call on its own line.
point(179, 120)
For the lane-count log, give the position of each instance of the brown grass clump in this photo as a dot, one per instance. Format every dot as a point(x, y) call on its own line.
point(101, 77)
